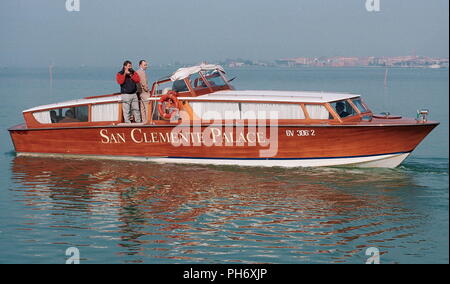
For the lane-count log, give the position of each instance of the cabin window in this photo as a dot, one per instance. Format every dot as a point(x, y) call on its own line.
point(225, 110)
point(214, 78)
point(105, 112)
point(358, 103)
point(317, 112)
point(63, 115)
point(179, 86)
point(197, 82)
point(216, 111)
point(68, 115)
point(163, 88)
point(343, 109)
point(267, 111)
point(43, 117)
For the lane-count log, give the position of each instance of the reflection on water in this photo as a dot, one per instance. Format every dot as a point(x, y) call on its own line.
point(143, 212)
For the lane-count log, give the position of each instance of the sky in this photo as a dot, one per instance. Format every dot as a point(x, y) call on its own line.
point(106, 32)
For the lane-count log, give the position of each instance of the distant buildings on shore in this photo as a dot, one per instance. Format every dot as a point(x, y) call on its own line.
point(239, 62)
point(342, 61)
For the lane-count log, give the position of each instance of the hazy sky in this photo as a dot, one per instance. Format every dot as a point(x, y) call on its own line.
point(105, 32)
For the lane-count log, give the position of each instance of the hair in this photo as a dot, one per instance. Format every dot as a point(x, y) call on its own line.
point(69, 113)
point(142, 61)
point(126, 63)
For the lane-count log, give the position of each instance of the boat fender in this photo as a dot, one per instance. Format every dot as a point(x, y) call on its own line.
point(167, 102)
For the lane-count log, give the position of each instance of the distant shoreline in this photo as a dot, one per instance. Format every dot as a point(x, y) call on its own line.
point(174, 67)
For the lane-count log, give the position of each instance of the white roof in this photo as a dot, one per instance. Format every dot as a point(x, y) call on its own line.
point(76, 103)
point(182, 73)
point(231, 95)
point(274, 96)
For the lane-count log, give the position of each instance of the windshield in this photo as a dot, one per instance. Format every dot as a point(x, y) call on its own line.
point(214, 78)
point(343, 109)
point(197, 81)
point(358, 103)
point(179, 86)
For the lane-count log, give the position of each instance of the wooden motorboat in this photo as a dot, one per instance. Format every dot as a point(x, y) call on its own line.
point(197, 117)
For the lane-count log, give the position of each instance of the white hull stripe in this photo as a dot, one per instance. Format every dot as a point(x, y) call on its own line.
point(384, 161)
point(287, 159)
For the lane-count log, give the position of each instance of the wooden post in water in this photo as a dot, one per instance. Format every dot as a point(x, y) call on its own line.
point(385, 78)
point(50, 73)
point(385, 92)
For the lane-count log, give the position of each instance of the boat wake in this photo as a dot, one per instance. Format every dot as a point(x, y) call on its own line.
point(10, 153)
point(437, 166)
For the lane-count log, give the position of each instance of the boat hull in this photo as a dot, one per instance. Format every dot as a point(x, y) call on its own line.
point(282, 146)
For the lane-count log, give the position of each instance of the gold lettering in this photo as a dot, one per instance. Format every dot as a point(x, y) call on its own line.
point(154, 137)
point(113, 139)
point(260, 137)
point(134, 137)
point(228, 138)
point(249, 140)
point(185, 138)
point(216, 133)
point(105, 138)
point(174, 138)
point(239, 135)
point(164, 138)
point(121, 137)
point(241, 140)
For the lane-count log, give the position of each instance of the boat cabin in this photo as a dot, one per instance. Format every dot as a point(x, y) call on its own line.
point(205, 94)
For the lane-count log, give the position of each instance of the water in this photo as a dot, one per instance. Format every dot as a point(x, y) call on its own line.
point(126, 212)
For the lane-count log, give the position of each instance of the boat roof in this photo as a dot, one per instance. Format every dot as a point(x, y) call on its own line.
point(274, 96)
point(76, 103)
point(229, 95)
point(185, 72)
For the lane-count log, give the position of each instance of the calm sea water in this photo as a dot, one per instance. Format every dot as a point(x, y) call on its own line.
point(124, 212)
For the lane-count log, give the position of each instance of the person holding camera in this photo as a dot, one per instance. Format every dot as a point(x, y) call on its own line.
point(128, 79)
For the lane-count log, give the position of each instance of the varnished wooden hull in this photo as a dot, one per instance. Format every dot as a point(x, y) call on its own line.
point(370, 144)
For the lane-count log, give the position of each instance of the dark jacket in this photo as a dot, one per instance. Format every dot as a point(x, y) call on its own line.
point(127, 83)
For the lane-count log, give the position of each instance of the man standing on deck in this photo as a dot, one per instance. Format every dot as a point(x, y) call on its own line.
point(143, 90)
point(128, 80)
